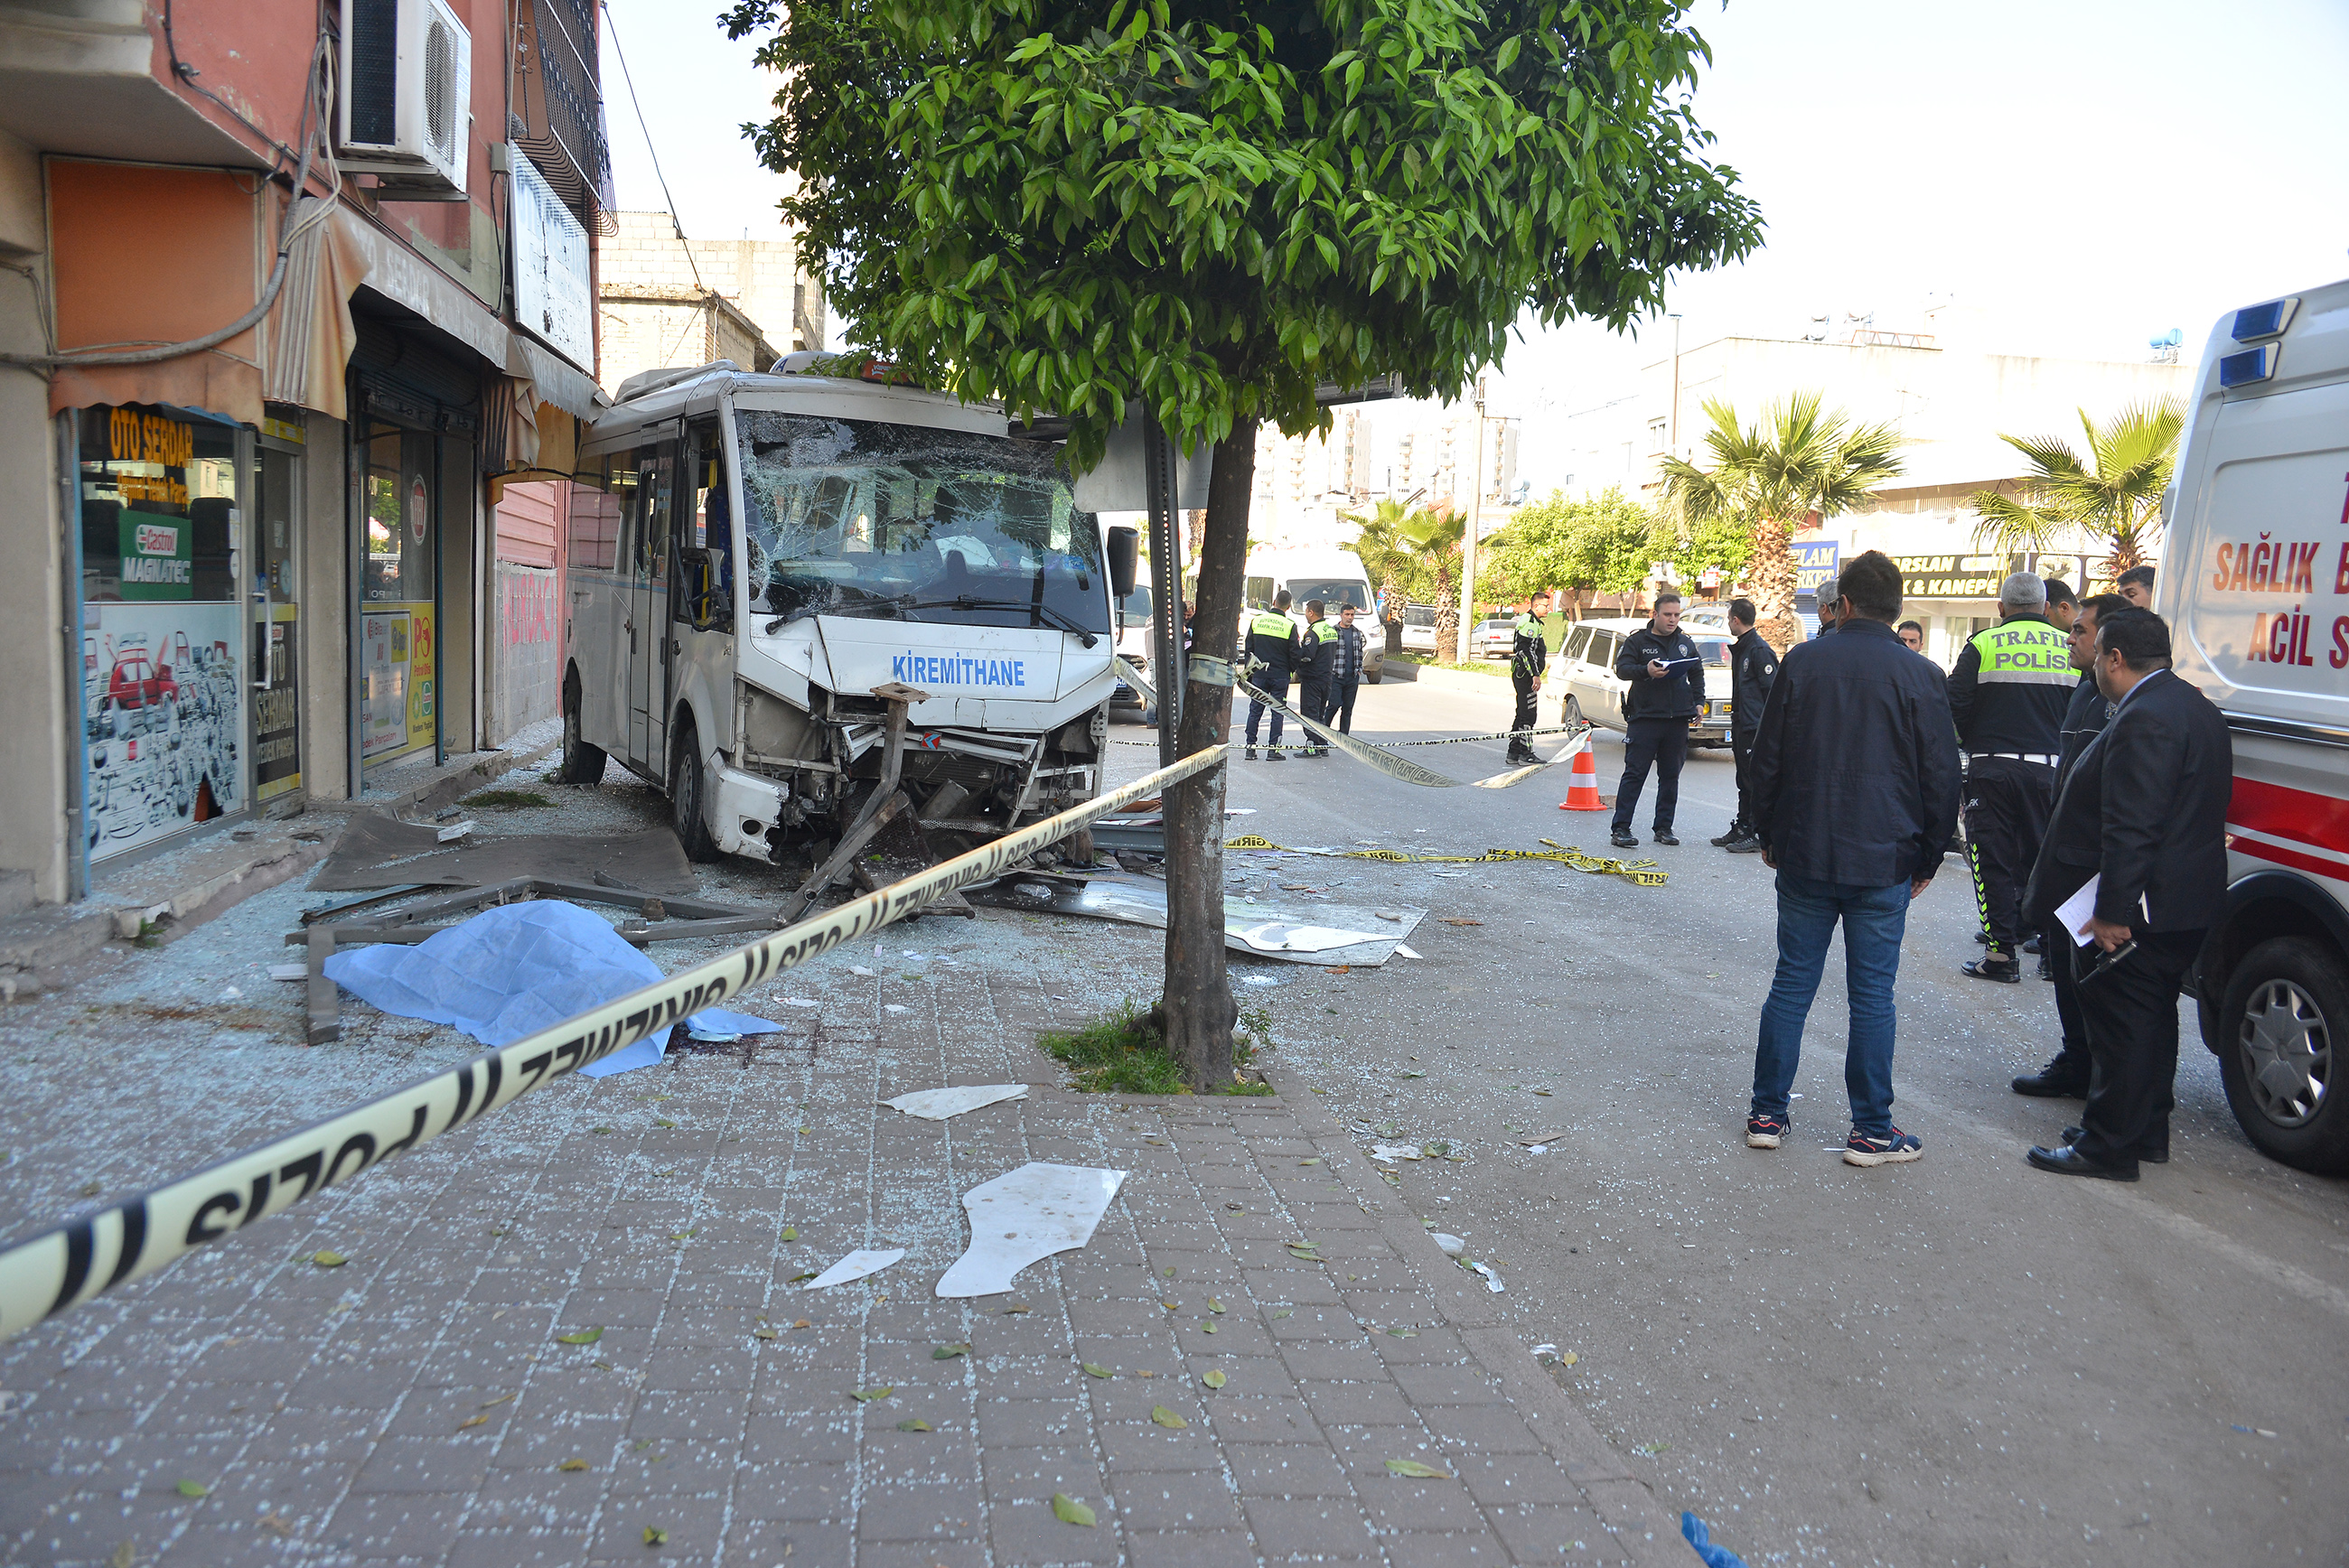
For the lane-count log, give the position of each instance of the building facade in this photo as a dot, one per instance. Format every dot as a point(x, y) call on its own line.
point(664, 300)
point(295, 295)
point(1948, 394)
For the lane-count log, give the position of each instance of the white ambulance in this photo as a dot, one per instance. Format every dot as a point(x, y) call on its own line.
point(757, 554)
point(2254, 582)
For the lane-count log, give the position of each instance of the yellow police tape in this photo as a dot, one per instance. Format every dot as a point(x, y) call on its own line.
point(1644, 873)
point(1382, 758)
point(94, 1252)
point(1403, 767)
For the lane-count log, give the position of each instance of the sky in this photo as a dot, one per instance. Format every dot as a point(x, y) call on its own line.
point(2085, 174)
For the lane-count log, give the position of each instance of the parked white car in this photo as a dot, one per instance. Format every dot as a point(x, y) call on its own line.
point(1582, 681)
point(1418, 628)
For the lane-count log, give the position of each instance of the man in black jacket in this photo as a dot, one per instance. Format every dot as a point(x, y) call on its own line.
point(2144, 813)
point(1855, 794)
point(1752, 665)
point(1667, 690)
point(2067, 1076)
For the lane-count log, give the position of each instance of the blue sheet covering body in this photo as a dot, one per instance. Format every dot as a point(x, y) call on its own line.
point(512, 971)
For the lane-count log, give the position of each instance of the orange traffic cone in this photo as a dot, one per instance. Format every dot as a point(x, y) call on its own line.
point(1582, 789)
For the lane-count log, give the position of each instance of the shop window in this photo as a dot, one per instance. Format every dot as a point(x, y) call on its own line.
point(163, 647)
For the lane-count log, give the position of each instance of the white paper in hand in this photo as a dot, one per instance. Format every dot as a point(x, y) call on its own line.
point(2078, 909)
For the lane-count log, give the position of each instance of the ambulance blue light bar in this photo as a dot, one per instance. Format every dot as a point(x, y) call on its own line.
point(2248, 369)
point(2269, 320)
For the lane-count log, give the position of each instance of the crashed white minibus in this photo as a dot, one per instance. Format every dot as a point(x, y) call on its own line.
point(761, 563)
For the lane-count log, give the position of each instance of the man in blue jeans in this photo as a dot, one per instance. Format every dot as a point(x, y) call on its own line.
point(1855, 780)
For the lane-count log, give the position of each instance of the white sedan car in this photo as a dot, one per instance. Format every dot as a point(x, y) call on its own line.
point(1582, 682)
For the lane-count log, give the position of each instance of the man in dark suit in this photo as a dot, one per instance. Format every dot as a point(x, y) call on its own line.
point(2067, 1076)
point(1855, 791)
point(2144, 811)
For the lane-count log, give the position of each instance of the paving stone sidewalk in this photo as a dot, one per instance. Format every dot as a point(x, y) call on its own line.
point(417, 1404)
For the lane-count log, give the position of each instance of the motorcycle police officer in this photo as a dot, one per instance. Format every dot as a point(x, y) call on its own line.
point(1272, 654)
point(1528, 658)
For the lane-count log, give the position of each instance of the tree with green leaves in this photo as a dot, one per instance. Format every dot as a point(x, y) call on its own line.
point(2113, 497)
point(1434, 534)
point(1765, 479)
point(1601, 542)
point(1386, 559)
point(1210, 208)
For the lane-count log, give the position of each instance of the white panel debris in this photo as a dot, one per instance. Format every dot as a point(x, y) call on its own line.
point(1025, 1216)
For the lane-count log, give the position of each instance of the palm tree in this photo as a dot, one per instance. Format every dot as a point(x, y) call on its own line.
point(1434, 534)
point(1386, 555)
point(2115, 496)
point(1766, 478)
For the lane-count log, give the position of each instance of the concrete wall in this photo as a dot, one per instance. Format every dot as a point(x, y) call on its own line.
point(32, 704)
point(760, 276)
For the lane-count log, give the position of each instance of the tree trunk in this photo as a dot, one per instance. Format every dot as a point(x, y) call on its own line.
point(1396, 598)
point(1771, 569)
point(1447, 612)
point(1197, 1008)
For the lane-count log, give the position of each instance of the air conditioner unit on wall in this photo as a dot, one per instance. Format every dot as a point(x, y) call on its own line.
point(405, 113)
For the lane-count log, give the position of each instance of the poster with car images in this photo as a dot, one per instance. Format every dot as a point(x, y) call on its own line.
point(163, 703)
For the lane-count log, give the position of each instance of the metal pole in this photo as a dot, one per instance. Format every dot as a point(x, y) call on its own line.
point(1672, 435)
point(1468, 535)
point(1166, 671)
point(77, 806)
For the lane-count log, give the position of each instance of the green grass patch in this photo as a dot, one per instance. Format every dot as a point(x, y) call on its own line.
point(1124, 1053)
point(1474, 668)
point(507, 800)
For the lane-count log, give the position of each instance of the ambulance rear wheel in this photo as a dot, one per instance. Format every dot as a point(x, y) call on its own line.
point(582, 763)
point(2283, 1036)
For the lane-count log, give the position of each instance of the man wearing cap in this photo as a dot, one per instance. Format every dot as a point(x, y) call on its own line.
point(2008, 696)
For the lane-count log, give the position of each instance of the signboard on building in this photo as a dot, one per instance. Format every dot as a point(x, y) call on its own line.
point(1815, 563)
point(1979, 576)
point(552, 298)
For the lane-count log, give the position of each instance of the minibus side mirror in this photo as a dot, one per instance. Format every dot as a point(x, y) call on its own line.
point(1122, 546)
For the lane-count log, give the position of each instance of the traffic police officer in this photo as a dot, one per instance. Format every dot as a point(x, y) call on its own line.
point(1528, 658)
point(1666, 691)
point(1272, 653)
point(2008, 696)
point(1317, 655)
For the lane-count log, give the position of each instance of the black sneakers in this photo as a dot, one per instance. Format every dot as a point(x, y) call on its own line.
point(1622, 839)
point(1993, 965)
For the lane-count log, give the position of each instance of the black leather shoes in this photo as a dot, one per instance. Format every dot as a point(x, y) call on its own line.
point(2148, 1156)
point(2069, 1161)
point(1622, 840)
point(2007, 973)
point(2047, 1083)
point(1664, 836)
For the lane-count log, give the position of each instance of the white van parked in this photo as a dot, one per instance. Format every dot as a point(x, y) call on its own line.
point(2254, 582)
point(1335, 577)
point(759, 552)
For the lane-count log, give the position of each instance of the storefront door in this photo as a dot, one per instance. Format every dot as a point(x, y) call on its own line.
point(398, 535)
point(273, 593)
point(164, 647)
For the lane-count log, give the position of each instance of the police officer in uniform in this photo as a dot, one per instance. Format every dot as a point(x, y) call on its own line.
point(1272, 654)
point(1752, 666)
point(1667, 690)
point(2008, 695)
point(1316, 656)
point(1528, 658)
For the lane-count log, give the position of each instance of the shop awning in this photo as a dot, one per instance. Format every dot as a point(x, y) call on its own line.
point(558, 380)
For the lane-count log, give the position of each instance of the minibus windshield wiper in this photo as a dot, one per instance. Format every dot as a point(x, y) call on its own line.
point(1043, 613)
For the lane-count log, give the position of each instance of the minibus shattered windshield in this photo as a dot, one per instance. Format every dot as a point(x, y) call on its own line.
point(850, 517)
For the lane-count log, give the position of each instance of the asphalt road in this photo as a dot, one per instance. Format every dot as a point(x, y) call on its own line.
point(1961, 1360)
